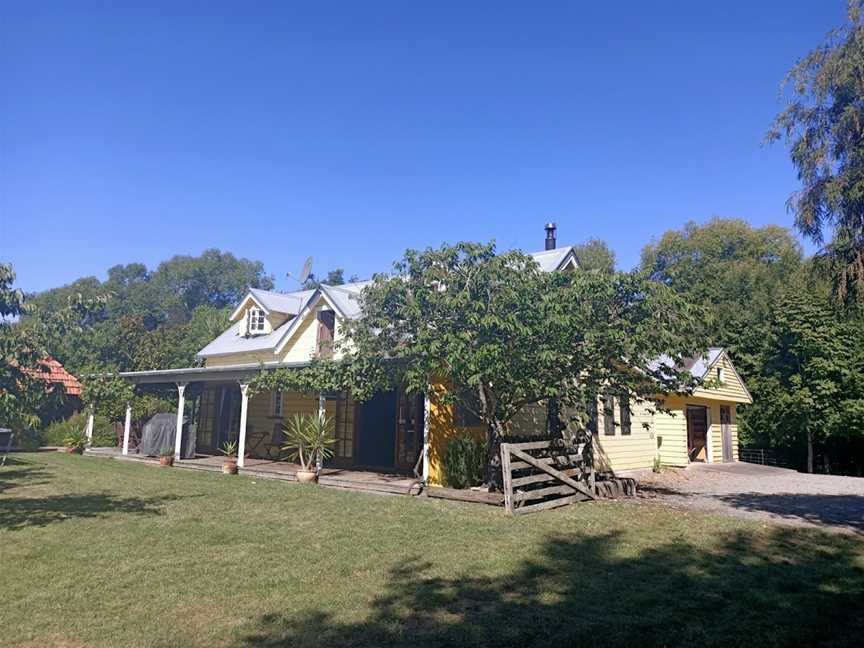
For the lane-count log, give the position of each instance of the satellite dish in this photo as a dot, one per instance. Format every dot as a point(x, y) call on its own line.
point(306, 271)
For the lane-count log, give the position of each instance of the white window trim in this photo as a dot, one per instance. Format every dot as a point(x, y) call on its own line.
point(253, 315)
point(276, 404)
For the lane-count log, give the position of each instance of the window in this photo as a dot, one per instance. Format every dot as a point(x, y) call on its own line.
point(608, 415)
point(326, 331)
point(720, 375)
point(624, 412)
point(276, 404)
point(256, 321)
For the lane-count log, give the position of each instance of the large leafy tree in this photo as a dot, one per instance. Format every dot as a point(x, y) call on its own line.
point(732, 269)
point(595, 255)
point(21, 394)
point(151, 319)
point(810, 390)
point(23, 391)
point(505, 335)
point(823, 125)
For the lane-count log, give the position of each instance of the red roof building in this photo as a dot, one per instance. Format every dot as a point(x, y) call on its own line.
point(53, 372)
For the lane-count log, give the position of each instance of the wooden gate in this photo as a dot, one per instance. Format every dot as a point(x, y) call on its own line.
point(541, 475)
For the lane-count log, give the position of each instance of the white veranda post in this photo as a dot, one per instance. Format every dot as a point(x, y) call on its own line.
point(322, 415)
point(241, 441)
point(89, 430)
point(127, 426)
point(181, 404)
point(426, 410)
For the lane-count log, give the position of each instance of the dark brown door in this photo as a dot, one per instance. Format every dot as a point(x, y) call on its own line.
point(409, 430)
point(726, 431)
point(697, 433)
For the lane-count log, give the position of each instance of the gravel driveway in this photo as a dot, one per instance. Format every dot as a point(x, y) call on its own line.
point(761, 492)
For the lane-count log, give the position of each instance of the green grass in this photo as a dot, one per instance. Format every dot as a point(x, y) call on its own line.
point(107, 553)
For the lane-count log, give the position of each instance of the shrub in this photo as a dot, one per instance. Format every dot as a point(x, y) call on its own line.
point(103, 430)
point(75, 439)
point(465, 462)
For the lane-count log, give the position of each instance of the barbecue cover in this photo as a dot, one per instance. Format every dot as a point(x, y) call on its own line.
point(159, 432)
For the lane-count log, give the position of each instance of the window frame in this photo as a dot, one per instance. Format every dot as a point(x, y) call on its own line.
point(624, 415)
point(608, 414)
point(276, 405)
point(256, 321)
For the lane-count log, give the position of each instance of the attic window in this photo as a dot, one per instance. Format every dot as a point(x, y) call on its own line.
point(256, 321)
point(720, 375)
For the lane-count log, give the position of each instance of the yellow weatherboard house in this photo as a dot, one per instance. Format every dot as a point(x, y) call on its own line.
point(401, 433)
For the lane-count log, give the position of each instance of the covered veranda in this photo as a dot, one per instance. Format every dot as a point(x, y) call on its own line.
point(253, 455)
point(238, 375)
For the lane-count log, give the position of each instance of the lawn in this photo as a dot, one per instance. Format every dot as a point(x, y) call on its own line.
point(107, 553)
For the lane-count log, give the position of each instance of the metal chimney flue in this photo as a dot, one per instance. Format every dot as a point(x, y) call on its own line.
point(551, 243)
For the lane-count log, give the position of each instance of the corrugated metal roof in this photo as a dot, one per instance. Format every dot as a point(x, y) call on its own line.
point(698, 365)
point(344, 297)
point(551, 260)
point(231, 341)
point(289, 303)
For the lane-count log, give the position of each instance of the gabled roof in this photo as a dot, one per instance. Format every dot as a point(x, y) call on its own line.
point(274, 302)
point(700, 365)
point(51, 371)
point(289, 303)
point(551, 260)
point(344, 299)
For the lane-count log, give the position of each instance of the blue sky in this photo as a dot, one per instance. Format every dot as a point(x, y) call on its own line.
point(351, 131)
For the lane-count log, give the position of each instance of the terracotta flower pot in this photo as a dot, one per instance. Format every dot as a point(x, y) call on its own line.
point(307, 476)
point(229, 466)
point(166, 461)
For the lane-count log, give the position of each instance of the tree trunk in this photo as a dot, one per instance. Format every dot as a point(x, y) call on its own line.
point(809, 450)
point(494, 477)
point(554, 426)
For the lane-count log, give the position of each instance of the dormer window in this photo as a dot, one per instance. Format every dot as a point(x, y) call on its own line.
point(256, 321)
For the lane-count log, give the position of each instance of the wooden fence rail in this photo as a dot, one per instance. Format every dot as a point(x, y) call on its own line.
point(541, 475)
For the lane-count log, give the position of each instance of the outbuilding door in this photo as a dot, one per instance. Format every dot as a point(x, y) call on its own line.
point(697, 433)
point(726, 431)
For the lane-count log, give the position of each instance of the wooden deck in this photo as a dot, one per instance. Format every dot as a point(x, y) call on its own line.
point(367, 481)
point(350, 479)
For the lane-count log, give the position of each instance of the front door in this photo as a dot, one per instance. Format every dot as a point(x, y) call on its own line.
point(376, 445)
point(726, 431)
point(697, 433)
point(409, 430)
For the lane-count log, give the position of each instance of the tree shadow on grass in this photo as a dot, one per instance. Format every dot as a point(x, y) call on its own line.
point(23, 512)
point(845, 511)
point(16, 472)
point(778, 588)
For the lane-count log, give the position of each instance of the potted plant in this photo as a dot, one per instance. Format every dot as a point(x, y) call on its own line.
point(166, 456)
point(229, 463)
point(308, 440)
point(75, 442)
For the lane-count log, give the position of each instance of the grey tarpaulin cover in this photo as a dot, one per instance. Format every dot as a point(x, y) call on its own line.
point(158, 433)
